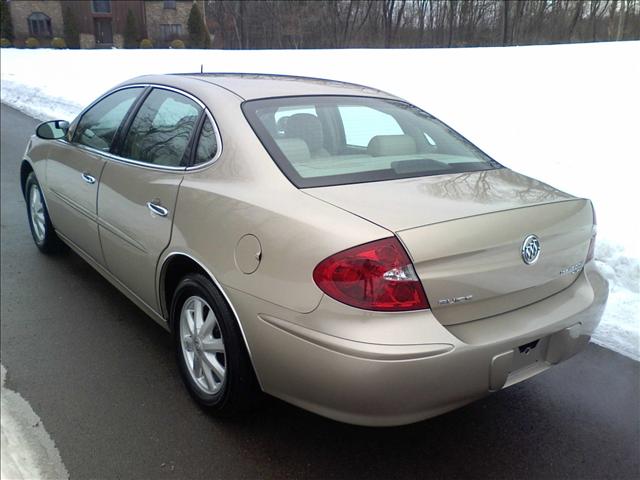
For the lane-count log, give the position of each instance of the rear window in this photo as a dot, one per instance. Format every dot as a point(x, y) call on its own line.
point(335, 140)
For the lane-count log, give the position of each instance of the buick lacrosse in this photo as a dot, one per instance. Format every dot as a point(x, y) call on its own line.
point(326, 243)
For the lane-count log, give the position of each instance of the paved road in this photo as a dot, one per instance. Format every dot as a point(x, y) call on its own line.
point(102, 378)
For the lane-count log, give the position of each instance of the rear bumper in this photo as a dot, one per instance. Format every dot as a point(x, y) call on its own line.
point(392, 370)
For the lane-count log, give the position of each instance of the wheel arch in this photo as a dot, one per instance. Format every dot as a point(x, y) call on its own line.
point(174, 267)
point(25, 169)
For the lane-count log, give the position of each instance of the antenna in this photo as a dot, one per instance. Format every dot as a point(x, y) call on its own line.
point(201, 68)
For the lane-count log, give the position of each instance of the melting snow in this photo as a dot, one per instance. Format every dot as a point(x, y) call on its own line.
point(27, 451)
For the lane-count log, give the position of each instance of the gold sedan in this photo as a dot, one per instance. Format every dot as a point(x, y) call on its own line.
point(323, 242)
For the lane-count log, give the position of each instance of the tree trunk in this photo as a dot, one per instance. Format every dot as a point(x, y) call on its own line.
point(452, 12)
point(574, 20)
point(505, 22)
point(624, 6)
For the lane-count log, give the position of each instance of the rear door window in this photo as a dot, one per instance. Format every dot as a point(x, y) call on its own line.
point(207, 143)
point(161, 129)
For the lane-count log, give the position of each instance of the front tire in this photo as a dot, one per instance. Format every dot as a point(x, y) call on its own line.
point(210, 351)
point(42, 231)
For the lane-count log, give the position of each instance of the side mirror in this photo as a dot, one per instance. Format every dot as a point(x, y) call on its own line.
point(53, 130)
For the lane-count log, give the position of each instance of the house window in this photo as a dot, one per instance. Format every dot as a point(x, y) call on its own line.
point(170, 4)
point(171, 31)
point(39, 25)
point(101, 6)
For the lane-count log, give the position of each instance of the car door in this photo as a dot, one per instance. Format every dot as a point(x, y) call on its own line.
point(138, 192)
point(74, 167)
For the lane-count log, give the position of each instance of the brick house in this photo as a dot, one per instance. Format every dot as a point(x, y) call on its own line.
point(167, 21)
point(38, 19)
point(101, 23)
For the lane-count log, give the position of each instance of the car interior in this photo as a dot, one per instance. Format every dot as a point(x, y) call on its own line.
point(325, 140)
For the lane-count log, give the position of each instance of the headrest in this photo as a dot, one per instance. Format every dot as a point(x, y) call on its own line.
point(307, 127)
point(281, 124)
point(386, 145)
point(295, 149)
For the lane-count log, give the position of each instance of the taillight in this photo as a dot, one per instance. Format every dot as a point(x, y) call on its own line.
point(594, 232)
point(374, 276)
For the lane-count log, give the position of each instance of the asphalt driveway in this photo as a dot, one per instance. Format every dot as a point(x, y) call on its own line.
point(101, 376)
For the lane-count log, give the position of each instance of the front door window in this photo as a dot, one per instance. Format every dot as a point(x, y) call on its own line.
point(98, 126)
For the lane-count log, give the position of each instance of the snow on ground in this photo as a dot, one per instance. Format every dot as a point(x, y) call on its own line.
point(27, 451)
point(565, 114)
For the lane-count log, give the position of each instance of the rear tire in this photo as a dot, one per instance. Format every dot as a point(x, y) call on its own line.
point(42, 231)
point(210, 350)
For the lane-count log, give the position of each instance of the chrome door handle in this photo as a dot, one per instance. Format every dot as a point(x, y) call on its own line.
point(88, 178)
point(157, 209)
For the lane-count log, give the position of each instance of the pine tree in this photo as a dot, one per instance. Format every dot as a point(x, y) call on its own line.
point(198, 33)
point(131, 31)
point(6, 25)
point(71, 34)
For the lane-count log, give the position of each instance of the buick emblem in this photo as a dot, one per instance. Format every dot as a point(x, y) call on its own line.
point(530, 249)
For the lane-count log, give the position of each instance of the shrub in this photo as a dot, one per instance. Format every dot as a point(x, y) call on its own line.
point(198, 33)
point(6, 25)
point(71, 32)
point(58, 42)
point(131, 31)
point(146, 43)
point(32, 42)
point(177, 43)
point(5, 42)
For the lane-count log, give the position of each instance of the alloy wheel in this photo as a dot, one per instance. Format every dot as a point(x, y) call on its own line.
point(202, 345)
point(36, 208)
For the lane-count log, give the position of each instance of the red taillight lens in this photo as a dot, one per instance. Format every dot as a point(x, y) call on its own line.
point(374, 276)
point(594, 232)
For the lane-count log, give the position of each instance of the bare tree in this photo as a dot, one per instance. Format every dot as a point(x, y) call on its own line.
point(574, 21)
point(597, 9)
point(392, 12)
point(419, 23)
point(624, 6)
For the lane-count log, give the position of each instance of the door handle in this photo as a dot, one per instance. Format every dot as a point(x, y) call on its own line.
point(157, 209)
point(88, 178)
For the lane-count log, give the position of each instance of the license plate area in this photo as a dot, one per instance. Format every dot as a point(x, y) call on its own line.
point(527, 360)
point(528, 354)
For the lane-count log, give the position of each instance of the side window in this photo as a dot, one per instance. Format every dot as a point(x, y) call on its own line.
point(98, 126)
point(362, 123)
point(207, 144)
point(160, 131)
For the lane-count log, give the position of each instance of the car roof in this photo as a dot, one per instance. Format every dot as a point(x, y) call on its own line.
point(251, 86)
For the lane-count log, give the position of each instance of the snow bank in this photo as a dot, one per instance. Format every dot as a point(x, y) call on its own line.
point(565, 114)
point(27, 451)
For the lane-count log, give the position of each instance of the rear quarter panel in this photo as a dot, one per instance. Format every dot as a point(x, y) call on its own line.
point(244, 192)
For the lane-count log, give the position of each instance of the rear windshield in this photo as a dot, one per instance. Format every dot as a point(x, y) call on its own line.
point(336, 140)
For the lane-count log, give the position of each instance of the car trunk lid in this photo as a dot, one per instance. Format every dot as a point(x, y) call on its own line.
point(473, 267)
point(465, 233)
